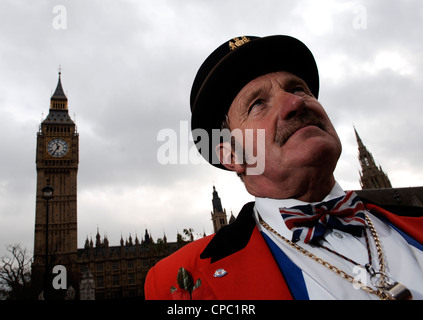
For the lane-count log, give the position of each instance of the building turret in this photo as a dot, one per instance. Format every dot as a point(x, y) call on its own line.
point(218, 214)
point(371, 176)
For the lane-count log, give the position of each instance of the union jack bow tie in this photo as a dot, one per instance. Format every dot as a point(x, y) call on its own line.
point(309, 222)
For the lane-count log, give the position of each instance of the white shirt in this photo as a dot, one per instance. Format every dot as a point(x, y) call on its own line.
point(404, 263)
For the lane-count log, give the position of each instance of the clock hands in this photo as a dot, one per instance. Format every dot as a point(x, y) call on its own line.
point(57, 148)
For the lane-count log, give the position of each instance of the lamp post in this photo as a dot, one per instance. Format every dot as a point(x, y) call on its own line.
point(47, 195)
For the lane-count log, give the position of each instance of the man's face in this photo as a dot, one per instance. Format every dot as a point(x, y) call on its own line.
point(299, 136)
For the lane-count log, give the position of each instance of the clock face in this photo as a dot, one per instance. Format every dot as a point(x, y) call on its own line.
point(57, 148)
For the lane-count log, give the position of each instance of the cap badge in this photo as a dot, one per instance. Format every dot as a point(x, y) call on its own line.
point(237, 42)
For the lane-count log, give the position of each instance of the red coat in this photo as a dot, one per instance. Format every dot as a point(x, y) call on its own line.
point(239, 250)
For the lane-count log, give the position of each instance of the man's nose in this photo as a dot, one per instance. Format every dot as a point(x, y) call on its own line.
point(289, 105)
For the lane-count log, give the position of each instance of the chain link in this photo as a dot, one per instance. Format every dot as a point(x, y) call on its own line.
point(334, 269)
point(377, 243)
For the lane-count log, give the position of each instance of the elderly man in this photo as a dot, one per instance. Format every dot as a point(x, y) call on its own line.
point(303, 237)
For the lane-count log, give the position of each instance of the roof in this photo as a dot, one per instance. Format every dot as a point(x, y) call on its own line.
point(402, 201)
point(58, 117)
point(129, 251)
point(59, 94)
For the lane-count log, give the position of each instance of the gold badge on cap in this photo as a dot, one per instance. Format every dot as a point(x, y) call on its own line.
point(237, 42)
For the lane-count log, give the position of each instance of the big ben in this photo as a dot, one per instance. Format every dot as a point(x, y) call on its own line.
point(55, 240)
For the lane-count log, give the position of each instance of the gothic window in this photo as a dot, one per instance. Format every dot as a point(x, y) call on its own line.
point(131, 278)
point(366, 161)
point(99, 266)
point(115, 280)
point(100, 282)
point(145, 263)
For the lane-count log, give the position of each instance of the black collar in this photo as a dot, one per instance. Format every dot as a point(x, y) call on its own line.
point(233, 237)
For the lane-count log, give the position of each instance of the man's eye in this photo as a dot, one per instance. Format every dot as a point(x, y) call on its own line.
point(299, 89)
point(256, 103)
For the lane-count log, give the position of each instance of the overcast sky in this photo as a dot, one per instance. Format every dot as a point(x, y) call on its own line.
point(127, 70)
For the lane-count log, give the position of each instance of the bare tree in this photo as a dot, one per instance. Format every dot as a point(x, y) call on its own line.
point(15, 274)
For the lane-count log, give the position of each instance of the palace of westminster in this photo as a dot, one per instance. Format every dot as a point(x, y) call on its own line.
point(101, 271)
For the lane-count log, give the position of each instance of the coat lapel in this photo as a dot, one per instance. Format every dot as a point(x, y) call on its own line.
point(241, 265)
point(250, 273)
point(233, 237)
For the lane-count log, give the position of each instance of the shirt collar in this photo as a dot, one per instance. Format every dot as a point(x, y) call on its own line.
point(269, 209)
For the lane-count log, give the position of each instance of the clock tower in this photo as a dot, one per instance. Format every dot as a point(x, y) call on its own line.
point(55, 241)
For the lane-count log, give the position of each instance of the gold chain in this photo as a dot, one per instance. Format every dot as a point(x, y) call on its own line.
point(377, 243)
point(338, 271)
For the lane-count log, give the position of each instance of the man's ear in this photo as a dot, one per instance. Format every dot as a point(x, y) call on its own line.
point(228, 158)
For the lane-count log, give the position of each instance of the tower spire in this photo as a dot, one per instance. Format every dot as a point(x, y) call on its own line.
point(218, 214)
point(357, 137)
point(58, 100)
point(217, 204)
point(58, 113)
point(371, 176)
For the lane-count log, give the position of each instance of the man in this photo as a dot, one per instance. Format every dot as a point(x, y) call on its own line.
point(303, 237)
